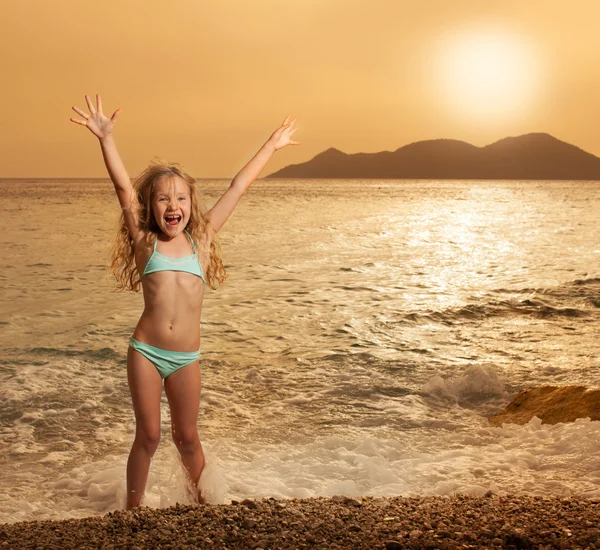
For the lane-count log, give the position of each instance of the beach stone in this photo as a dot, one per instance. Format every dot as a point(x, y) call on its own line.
point(551, 404)
point(594, 534)
point(518, 540)
point(250, 503)
point(248, 523)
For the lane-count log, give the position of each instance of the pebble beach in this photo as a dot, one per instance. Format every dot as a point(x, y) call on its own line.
point(454, 521)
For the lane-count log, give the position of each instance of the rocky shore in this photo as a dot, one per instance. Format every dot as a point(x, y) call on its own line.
point(456, 521)
point(551, 404)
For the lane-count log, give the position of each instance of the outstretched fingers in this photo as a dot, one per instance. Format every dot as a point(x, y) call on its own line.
point(90, 105)
point(96, 121)
point(291, 132)
point(286, 130)
point(115, 115)
point(80, 112)
point(77, 121)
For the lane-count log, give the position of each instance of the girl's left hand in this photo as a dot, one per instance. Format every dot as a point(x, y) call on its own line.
point(282, 136)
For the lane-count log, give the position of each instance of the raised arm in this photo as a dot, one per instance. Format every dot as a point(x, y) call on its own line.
point(102, 127)
point(221, 211)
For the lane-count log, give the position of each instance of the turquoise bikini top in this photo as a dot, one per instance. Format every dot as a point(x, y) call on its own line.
point(160, 262)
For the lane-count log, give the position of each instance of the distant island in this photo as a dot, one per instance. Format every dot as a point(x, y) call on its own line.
point(536, 156)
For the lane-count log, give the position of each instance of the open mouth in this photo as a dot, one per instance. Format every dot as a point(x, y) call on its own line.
point(172, 220)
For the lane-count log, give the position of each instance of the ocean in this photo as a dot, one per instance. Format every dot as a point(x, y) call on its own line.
point(366, 331)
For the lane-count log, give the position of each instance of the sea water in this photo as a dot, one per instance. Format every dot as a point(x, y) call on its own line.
point(366, 331)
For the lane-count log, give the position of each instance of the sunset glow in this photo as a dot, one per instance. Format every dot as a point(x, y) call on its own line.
point(488, 76)
point(358, 78)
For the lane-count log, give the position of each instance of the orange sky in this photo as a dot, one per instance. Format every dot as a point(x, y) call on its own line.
point(204, 83)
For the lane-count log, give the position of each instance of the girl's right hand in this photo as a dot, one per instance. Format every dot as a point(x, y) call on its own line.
point(96, 122)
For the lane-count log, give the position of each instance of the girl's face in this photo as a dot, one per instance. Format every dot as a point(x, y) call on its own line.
point(171, 205)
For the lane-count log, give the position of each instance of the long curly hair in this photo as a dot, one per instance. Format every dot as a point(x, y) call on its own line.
point(122, 255)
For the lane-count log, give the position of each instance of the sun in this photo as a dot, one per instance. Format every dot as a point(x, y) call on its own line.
point(487, 75)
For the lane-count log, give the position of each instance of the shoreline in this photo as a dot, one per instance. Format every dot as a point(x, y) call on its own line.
point(455, 521)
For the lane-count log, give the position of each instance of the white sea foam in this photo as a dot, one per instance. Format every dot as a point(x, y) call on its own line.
point(476, 382)
point(532, 459)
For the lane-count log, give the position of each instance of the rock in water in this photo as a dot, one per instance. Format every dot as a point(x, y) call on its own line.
point(552, 404)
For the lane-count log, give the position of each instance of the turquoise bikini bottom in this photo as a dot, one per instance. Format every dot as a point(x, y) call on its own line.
point(165, 361)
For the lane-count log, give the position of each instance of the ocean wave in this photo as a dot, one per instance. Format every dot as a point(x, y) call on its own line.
point(476, 383)
point(590, 281)
point(103, 354)
point(527, 308)
point(577, 299)
point(571, 288)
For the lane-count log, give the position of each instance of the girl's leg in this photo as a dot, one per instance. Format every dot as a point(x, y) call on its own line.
point(183, 392)
point(145, 385)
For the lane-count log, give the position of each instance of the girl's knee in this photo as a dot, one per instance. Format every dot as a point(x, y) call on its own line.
point(148, 441)
point(187, 441)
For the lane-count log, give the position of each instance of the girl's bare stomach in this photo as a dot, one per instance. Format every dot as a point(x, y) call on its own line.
point(171, 318)
point(172, 335)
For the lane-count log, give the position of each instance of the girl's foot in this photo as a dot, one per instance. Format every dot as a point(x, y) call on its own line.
point(195, 494)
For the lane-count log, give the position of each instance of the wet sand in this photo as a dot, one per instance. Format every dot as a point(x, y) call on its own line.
point(456, 521)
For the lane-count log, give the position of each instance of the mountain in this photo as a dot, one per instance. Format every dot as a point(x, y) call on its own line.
point(534, 156)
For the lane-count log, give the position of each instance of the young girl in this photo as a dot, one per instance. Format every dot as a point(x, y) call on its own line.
point(169, 247)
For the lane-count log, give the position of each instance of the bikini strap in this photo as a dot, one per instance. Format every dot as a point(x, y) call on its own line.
point(191, 240)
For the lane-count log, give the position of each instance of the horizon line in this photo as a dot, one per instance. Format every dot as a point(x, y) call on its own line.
point(2, 178)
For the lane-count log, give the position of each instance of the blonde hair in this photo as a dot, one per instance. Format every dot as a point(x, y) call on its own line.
point(122, 255)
